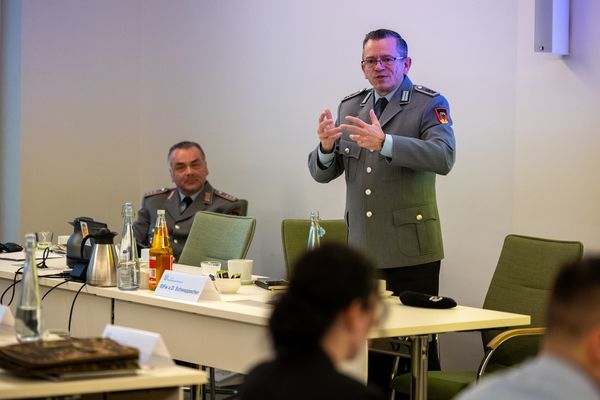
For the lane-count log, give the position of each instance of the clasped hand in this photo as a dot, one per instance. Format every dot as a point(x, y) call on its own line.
point(368, 136)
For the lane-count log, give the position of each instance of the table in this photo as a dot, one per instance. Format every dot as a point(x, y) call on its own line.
point(232, 334)
point(57, 304)
point(163, 383)
point(418, 323)
point(160, 383)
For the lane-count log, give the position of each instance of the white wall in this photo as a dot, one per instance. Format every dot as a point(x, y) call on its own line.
point(80, 112)
point(557, 190)
point(108, 86)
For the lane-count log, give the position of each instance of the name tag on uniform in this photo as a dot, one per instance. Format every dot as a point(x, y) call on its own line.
point(188, 287)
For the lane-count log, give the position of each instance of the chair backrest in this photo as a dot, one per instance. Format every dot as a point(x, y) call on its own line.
point(521, 284)
point(243, 211)
point(294, 236)
point(217, 237)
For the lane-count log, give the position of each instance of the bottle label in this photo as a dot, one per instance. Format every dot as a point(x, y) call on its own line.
point(152, 270)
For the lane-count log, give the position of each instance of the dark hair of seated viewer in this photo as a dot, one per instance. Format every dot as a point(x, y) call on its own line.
point(325, 282)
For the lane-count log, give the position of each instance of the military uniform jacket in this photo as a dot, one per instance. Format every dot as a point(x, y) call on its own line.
point(391, 207)
point(179, 224)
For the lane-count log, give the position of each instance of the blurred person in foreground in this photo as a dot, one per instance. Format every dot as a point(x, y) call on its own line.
point(568, 366)
point(322, 319)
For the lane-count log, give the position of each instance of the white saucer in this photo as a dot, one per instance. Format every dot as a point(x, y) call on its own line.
point(387, 293)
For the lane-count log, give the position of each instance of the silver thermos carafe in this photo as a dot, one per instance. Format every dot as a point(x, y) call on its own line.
point(102, 267)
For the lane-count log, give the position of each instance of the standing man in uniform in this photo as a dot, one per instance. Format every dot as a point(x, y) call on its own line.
point(390, 141)
point(193, 193)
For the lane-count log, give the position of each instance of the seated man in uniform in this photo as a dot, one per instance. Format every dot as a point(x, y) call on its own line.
point(193, 193)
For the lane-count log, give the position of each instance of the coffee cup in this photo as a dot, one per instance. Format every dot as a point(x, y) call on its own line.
point(242, 267)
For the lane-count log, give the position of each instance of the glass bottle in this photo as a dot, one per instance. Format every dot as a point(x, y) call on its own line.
point(316, 232)
point(161, 252)
point(29, 320)
point(128, 270)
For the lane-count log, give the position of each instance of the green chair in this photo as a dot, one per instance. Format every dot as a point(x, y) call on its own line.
point(217, 237)
point(521, 284)
point(294, 235)
point(243, 211)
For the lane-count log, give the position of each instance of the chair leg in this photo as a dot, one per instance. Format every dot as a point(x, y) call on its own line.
point(213, 386)
point(394, 372)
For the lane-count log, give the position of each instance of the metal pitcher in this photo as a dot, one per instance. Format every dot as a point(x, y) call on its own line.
point(102, 267)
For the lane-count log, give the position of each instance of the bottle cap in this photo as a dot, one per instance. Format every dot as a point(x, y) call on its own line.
point(30, 241)
point(127, 210)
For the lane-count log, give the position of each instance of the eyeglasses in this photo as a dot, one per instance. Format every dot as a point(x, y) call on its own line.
point(385, 60)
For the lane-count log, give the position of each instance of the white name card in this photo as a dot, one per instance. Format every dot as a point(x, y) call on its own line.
point(188, 287)
point(153, 351)
point(6, 317)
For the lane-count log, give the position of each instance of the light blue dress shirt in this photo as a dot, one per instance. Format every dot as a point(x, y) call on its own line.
point(182, 196)
point(545, 377)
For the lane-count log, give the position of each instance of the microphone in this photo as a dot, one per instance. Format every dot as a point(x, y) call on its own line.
point(417, 299)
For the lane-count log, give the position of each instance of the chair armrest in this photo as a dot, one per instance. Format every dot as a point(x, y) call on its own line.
point(501, 338)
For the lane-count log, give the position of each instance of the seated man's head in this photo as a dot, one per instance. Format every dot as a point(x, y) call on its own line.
point(573, 318)
point(187, 165)
point(330, 304)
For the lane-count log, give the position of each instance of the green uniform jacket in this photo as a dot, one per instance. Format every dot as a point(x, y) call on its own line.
point(179, 224)
point(391, 207)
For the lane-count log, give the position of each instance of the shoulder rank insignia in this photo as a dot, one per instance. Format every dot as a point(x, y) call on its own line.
point(157, 191)
point(351, 95)
point(425, 90)
point(225, 196)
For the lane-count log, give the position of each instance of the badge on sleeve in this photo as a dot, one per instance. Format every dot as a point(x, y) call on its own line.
point(442, 114)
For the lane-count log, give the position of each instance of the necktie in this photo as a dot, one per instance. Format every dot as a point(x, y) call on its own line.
point(187, 200)
point(380, 106)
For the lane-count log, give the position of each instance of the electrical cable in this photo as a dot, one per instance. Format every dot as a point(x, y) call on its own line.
point(13, 287)
point(54, 287)
point(45, 254)
point(73, 305)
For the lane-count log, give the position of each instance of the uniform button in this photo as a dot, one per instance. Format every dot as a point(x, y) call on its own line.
point(368, 192)
point(346, 150)
point(369, 214)
point(369, 170)
point(419, 217)
point(176, 226)
point(175, 241)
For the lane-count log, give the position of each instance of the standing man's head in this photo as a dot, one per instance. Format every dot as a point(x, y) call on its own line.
point(385, 60)
point(573, 319)
point(187, 165)
point(330, 304)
